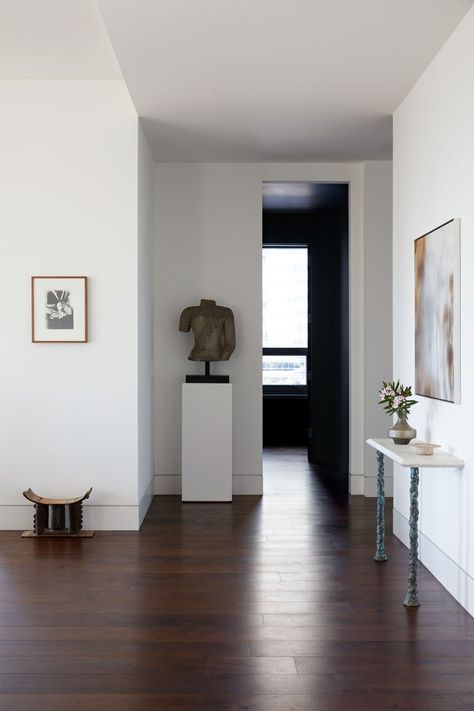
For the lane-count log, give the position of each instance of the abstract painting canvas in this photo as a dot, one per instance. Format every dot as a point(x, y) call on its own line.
point(59, 306)
point(437, 313)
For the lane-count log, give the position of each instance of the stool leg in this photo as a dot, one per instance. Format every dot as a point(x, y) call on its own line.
point(411, 599)
point(58, 517)
point(75, 518)
point(380, 554)
point(40, 519)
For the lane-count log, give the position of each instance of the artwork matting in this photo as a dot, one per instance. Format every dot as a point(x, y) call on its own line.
point(59, 309)
point(438, 313)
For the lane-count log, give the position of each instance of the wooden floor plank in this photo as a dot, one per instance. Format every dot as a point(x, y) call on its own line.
point(270, 604)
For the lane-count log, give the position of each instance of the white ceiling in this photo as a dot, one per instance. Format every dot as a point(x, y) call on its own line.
point(274, 80)
point(54, 39)
point(240, 80)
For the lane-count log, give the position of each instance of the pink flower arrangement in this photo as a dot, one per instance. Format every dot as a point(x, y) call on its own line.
point(396, 398)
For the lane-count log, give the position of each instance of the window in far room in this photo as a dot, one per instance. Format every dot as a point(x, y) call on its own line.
point(285, 318)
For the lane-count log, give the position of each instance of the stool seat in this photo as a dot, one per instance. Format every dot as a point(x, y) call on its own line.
point(35, 499)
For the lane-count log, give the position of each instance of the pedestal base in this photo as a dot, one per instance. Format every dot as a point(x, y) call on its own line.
point(207, 442)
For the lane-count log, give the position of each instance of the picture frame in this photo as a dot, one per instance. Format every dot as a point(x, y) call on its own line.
point(438, 313)
point(59, 309)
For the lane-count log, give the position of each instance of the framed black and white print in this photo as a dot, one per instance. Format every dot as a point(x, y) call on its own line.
point(59, 309)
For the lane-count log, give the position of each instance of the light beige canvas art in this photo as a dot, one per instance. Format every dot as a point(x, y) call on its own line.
point(437, 313)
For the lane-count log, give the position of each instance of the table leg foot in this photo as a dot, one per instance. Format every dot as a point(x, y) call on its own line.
point(380, 557)
point(411, 601)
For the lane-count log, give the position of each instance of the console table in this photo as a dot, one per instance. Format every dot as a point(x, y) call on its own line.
point(406, 456)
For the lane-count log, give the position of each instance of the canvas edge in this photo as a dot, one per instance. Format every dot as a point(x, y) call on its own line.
point(457, 313)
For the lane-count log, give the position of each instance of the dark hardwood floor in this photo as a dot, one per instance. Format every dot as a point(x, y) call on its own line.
point(271, 604)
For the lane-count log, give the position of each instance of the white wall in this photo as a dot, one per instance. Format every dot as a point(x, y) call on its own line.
point(146, 241)
point(377, 310)
point(68, 190)
point(208, 246)
point(434, 182)
point(209, 236)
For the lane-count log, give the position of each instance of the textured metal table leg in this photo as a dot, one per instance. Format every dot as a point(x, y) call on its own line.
point(411, 599)
point(380, 553)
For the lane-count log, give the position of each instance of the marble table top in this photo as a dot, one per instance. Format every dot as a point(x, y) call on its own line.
point(406, 455)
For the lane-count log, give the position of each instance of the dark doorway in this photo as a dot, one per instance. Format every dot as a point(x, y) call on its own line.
point(313, 217)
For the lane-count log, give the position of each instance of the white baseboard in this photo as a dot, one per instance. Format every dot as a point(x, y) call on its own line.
point(456, 580)
point(367, 486)
point(247, 485)
point(16, 518)
point(370, 486)
point(241, 485)
point(356, 485)
point(167, 485)
point(145, 502)
point(97, 518)
point(111, 518)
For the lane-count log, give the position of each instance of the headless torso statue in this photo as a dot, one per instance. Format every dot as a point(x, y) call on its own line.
point(214, 336)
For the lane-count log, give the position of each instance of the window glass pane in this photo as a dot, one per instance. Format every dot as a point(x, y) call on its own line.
point(285, 297)
point(284, 370)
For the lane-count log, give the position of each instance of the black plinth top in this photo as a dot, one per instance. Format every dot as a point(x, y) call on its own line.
point(207, 378)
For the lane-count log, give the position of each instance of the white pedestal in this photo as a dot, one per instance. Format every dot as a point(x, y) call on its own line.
point(206, 445)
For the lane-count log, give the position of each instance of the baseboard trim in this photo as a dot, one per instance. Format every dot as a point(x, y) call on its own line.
point(167, 485)
point(370, 486)
point(356, 485)
point(97, 518)
point(145, 502)
point(241, 485)
point(456, 580)
point(247, 485)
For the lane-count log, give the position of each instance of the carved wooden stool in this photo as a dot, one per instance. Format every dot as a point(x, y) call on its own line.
point(57, 517)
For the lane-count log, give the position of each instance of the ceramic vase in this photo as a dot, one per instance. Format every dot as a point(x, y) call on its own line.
point(402, 432)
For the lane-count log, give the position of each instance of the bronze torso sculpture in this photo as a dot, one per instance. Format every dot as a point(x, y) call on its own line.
point(213, 329)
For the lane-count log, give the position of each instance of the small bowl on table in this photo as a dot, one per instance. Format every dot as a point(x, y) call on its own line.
point(425, 448)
